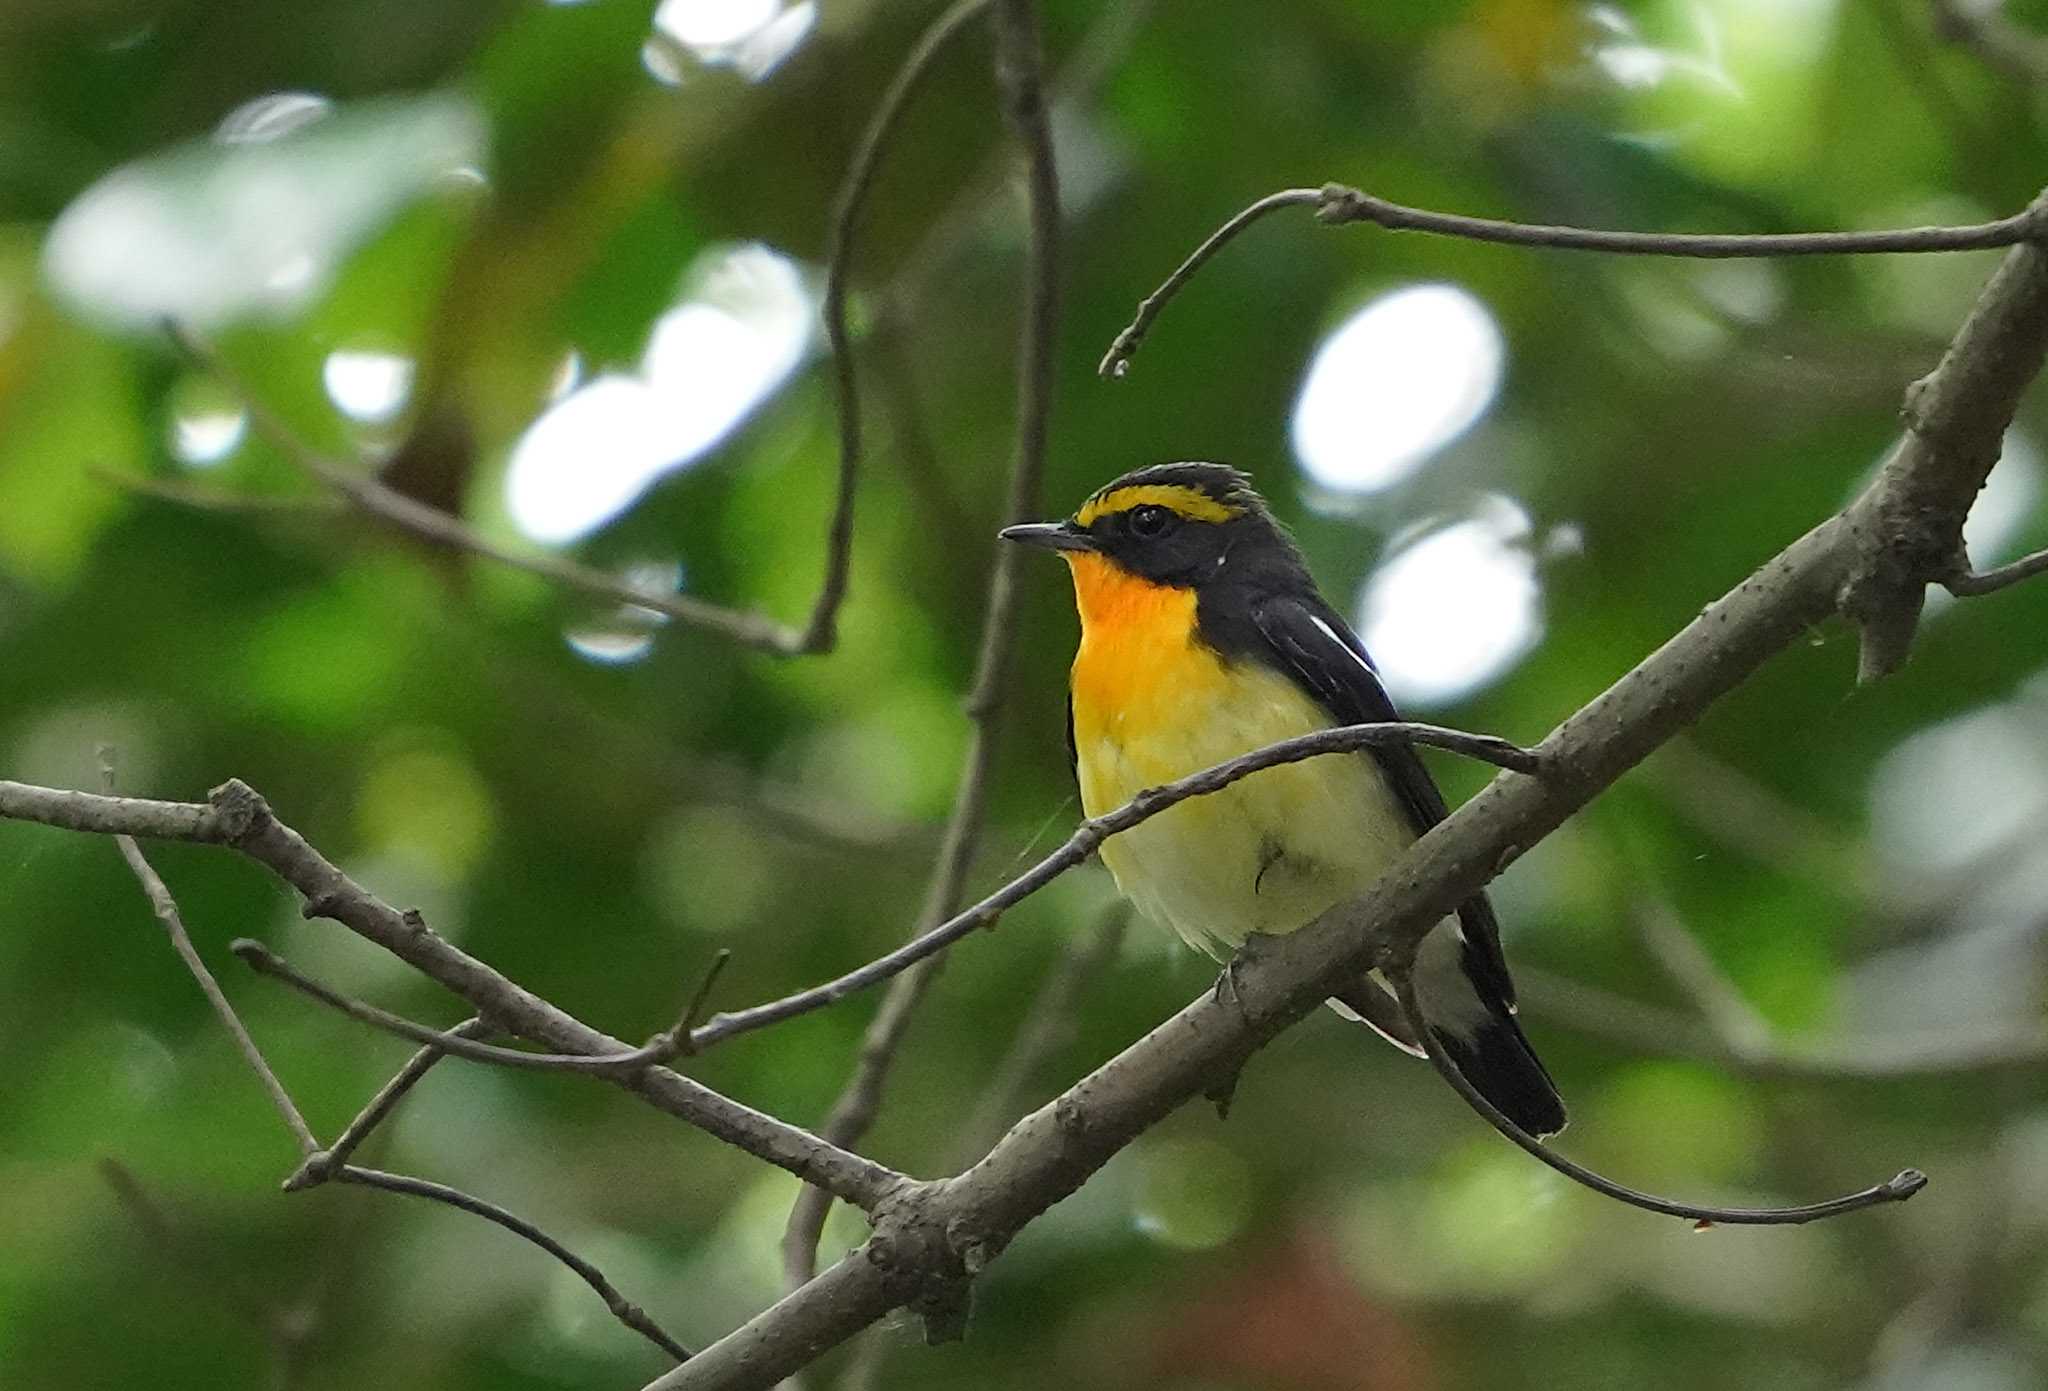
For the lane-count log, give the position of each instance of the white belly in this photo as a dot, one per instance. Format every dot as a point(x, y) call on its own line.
point(1266, 854)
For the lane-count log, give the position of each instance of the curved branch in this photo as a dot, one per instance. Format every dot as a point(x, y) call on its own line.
point(623, 1309)
point(1088, 836)
point(320, 1165)
point(414, 518)
point(1117, 361)
point(456, 1042)
point(821, 632)
point(1894, 1190)
point(166, 909)
point(930, 1236)
point(1020, 80)
point(1337, 204)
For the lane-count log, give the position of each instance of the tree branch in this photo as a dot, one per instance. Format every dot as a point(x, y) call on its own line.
point(1966, 583)
point(321, 1164)
point(821, 633)
point(239, 818)
point(1337, 204)
point(623, 1309)
point(937, 1235)
point(413, 518)
point(166, 909)
point(663, 1047)
point(1985, 30)
point(1895, 1190)
point(1020, 82)
point(1083, 843)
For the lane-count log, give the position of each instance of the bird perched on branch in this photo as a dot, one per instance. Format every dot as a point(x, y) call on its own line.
point(1203, 637)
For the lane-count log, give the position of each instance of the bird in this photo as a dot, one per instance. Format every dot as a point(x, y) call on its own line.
point(1204, 636)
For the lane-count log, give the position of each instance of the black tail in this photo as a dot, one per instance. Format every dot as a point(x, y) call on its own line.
point(1464, 996)
point(1497, 1059)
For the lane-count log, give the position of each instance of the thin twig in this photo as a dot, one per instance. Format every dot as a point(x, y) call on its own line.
point(1894, 1190)
point(416, 519)
point(660, 1049)
point(821, 633)
point(623, 1309)
point(1988, 32)
point(1085, 840)
point(1117, 361)
point(237, 816)
point(1967, 583)
point(204, 499)
point(166, 909)
point(1336, 204)
point(1020, 82)
point(320, 1165)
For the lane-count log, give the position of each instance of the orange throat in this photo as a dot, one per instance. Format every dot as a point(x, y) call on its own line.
point(1137, 647)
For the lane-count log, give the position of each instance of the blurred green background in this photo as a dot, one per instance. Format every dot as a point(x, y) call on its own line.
point(557, 266)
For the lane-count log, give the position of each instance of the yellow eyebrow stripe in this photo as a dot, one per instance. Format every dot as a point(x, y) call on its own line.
point(1191, 503)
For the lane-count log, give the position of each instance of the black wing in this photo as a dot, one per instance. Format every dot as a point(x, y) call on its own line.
point(1306, 637)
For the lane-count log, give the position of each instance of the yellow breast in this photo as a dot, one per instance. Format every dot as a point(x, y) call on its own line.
point(1152, 703)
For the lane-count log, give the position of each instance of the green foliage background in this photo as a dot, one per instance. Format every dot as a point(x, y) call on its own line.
point(599, 831)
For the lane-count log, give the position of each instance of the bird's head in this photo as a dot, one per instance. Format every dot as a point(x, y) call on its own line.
point(1178, 526)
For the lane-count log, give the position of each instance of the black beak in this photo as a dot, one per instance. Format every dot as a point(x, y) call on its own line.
point(1051, 536)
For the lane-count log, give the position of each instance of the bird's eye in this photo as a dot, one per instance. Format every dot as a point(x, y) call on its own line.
point(1150, 520)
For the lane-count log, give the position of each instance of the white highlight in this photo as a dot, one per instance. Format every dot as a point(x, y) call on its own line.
point(1453, 610)
point(627, 634)
point(709, 362)
point(204, 438)
point(367, 385)
point(2007, 502)
point(258, 221)
point(1402, 377)
point(752, 37)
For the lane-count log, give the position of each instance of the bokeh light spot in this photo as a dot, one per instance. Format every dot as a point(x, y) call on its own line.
point(626, 634)
point(206, 424)
point(740, 329)
point(752, 37)
point(257, 220)
point(1399, 379)
point(369, 385)
point(1452, 610)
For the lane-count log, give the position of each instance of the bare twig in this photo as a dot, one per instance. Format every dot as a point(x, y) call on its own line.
point(1336, 203)
point(454, 1041)
point(243, 820)
point(1084, 842)
point(1985, 30)
point(1966, 583)
point(623, 1309)
point(166, 909)
point(330, 893)
point(1896, 1189)
point(1020, 81)
point(1117, 361)
point(931, 1235)
point(204, 499)
point(320, 1165)
point(430, 524)
point(821, 633)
